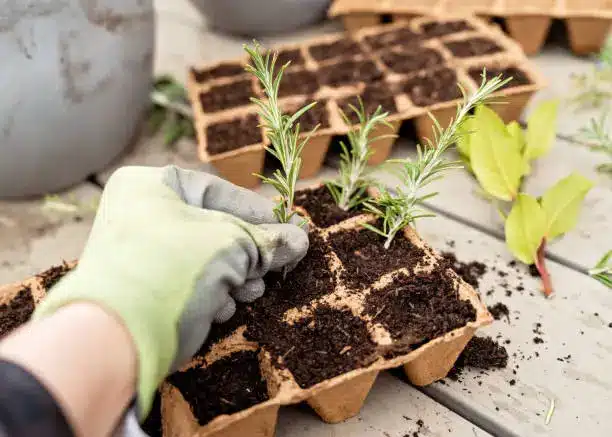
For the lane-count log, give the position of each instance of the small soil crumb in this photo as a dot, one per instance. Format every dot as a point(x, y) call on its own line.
point(51, 276)
point(322, 208)
point(477, 46)
point(411, 61)
point(365, 259)
point(538, 340)
point(229, 385)
point(482, 353)
point(533, 271)
point(470, 272)
point(402, 36)
point(341, 48)
point(223, 70)
point(519, 77)
point(499, 310)
point(16, 312)
point(436, 29)
point(431, 87)
point(512, 382)
point(298, 83)
point(419, 307)
point(234, 134)
point(373, 96)
point(227, 96)
point(349, 73)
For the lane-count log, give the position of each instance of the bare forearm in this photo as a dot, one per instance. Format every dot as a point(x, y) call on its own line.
point(86, 360)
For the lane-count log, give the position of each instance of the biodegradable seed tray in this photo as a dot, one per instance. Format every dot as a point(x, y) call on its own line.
point(407, 70)
point(355, 308)
point(528, 22)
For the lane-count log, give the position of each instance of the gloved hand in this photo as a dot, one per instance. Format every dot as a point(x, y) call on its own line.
point(168, 252)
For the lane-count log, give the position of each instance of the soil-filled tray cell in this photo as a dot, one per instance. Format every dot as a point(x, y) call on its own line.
point(344, 47)
point(297, 83)
point(402, 36)
point(429, 88)
point(227, 69)
point(51, 276)
point(322, 208)
point(365, 259)
point(17, 311)
point(471, 47)
point(230, 384)
point(437, 29)
point(404, 62)
point(227, 96)
point(373, 96)
point(233, 134)
point(294, 56)
point(318, 115)
point(519, 77)
point(419, 307)
point(349, 73)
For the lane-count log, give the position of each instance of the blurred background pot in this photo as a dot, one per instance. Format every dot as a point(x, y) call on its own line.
point(261, 17)
point(74, 85)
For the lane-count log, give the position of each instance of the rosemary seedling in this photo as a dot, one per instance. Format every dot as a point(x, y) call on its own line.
point(348, 190)
point(282, 130)
point(598, 139)
point(603, 270)
point(401, 208)
point(594, 89)
point(170, 111)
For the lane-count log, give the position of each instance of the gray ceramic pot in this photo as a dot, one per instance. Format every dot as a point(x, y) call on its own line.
point(261, 17)
point(74, 83)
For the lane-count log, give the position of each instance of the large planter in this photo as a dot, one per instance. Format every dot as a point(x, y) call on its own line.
point(74, 84)
point(261, 17)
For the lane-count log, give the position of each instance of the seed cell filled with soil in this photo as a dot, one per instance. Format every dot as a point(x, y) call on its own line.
point(322, 208)
point(402, 36)
point(436, 29)
point(477, 46)
point(230, 135)
point(403, 62)
point(429, 88)
point(318, 115)
point(519, 77)
point(227, 69)
point(294, 56)
point(296, 83)
point(373, 96)
point(341, 48)
point(227, 96)
point(51, 276)
point(17, 311)
point(349, 73)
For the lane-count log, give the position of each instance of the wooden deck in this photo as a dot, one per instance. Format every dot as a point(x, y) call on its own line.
point(571, 366)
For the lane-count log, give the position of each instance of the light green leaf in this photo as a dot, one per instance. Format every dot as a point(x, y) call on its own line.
point(541, 129)
point(561, 203)
point(525, 228)
point(496, 162)
point(518, 137)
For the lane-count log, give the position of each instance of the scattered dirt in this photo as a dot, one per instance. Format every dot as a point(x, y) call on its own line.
point(222, 70)
point(436, 29)
point(295, 83)
point(365, 259)
point(341, 48)
point(519, 77)
point(373, 96)
point(533, 271)
point(419, 307)
point(482, 353)
point(430, 87)
point(349, 73)
point(477, 46)
point(403, 36)
point(499, 310)
point(290, 55)
point(470, 272)
point(229, 385)
point(234, 134)
point(16, 312)
point(321, 207)
point(51, 276)
point(232, 95)
point(404, 62)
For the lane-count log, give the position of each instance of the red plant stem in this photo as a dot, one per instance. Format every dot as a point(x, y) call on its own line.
point(541, 266)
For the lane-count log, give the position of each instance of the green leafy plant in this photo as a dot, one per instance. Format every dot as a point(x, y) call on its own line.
point(603, 270)
point(349, 189)
point(170, 112)
point(401, 208)
point(594, 89)
point(282, 130)
point(500, 156)
point(598, 139)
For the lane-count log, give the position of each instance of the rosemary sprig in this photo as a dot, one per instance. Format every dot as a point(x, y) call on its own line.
point(348, 190)
point(170, 111)
point(598, 139)
point(281, 130)
point(594, 89)
point(603, 270)
point(401, 208)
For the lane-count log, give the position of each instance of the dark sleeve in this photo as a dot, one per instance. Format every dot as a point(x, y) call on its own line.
point(27, 409)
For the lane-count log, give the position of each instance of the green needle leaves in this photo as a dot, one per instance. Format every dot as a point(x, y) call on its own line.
point(525, 228)
point(603, 270)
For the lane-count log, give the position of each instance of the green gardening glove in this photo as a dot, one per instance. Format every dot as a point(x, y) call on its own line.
point(169, 251)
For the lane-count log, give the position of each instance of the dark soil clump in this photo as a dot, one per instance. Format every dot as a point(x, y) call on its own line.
point(477, 46)
point(499, 310)
point(294, 56)
point(436, 29)
point(227, 386)
point(340, 48)
point(420, 307)
point(322, 208)
point(222, 70)
point(326, 344)
point(519, 77)
point(482, 353)
point(220, 331)
point(349, 73)
point(298, 83)
point(234, 134)
point(51, 276)
point(470, 272)
point(365, 259)
point(16, 312)
point(410, 61)
point(431, 87)
point(373, 96)
point(227, 96)
point(403, 36)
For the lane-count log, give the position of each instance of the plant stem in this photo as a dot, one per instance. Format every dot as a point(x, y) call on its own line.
point(541, 266)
